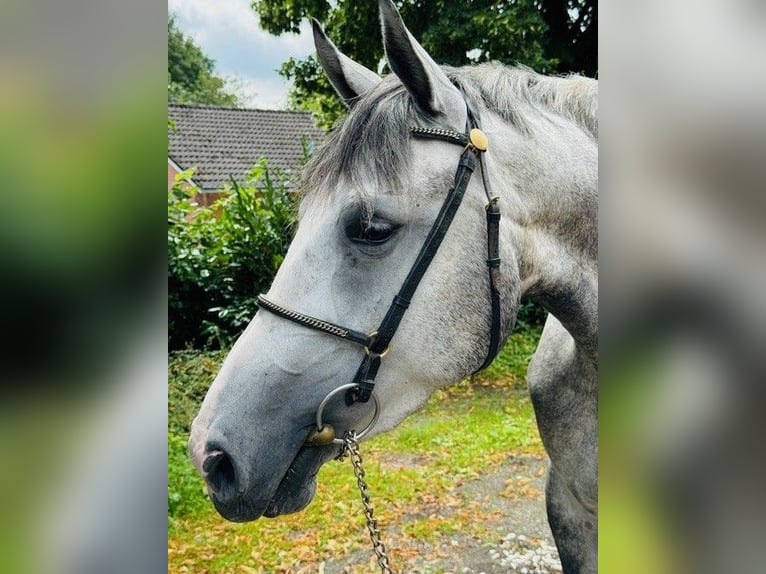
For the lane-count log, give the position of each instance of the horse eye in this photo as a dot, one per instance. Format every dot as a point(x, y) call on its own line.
point(370, 232)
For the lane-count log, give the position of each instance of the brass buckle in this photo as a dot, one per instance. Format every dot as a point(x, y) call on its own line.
point(492, 201)
point(367, 349)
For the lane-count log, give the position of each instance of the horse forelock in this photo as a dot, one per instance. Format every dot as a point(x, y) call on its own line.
point(369, 151)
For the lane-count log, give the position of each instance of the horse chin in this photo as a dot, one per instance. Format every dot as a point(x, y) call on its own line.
point(298, 486)
point(292, 499)
point(242, 510)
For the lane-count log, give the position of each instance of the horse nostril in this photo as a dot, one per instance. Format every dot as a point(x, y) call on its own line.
point(212, 459)
point(219, 473)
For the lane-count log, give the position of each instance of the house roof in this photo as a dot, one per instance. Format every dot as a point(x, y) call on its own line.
point(228, 141)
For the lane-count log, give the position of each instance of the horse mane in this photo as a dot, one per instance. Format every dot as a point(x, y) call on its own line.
point(372, 143)
point(510, 91)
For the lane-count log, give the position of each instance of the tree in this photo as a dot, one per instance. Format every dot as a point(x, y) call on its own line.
point(572, 34)
point(191, 77)
point(550, 36)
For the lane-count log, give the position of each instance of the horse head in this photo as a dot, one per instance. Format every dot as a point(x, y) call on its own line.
point(371, 198)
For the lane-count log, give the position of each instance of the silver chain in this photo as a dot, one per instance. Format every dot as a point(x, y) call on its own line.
point(351, 446)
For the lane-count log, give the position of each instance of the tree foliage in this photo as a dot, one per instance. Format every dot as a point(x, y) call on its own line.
point(191, 75)
point(549, 36)
point(572, 36)
point(221, 257)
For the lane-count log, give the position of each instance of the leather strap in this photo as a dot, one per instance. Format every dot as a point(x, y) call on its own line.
point(448, 136)
point(493, 257)
point(493, 267)
point(493, 233)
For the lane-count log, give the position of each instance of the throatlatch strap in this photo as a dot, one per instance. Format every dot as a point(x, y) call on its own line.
point(493, 225)
point(493, 267)
point(493, 263)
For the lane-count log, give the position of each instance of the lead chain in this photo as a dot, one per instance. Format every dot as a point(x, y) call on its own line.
point(351, 446)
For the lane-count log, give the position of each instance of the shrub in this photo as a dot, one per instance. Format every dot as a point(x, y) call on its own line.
point(186, 489)
point(529, 316)
point(221, 257)
point(190, 373)
point(189, 376)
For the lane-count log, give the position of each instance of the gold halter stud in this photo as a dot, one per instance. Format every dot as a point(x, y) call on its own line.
point(479, 139)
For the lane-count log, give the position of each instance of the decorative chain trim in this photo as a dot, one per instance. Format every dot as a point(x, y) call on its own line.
point(311, 322)
point(440, 133)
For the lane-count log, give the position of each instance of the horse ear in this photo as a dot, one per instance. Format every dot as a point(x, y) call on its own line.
point(350, 80)
point(424, 79)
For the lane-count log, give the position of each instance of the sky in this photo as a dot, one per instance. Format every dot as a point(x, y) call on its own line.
point(227, 31)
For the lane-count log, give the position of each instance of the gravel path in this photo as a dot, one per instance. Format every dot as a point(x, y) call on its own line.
point(520, 541)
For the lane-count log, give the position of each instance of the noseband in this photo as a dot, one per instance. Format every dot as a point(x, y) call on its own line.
point(377, 343)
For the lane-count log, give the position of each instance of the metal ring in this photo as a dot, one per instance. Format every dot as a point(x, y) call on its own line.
point(342, 388)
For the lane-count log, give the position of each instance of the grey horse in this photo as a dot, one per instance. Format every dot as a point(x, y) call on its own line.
point(372, 193)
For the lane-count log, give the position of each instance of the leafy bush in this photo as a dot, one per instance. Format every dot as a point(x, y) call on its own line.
point(190, 373)
point(221, 257)
point(529, 316)
point(512, 361)
point(186, 489)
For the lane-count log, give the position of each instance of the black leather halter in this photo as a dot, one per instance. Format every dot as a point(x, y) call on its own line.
point(376, 344)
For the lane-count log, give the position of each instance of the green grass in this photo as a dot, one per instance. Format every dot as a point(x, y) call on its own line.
point(414, 472)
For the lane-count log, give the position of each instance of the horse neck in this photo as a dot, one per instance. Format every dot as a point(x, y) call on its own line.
point(549, 184)
point(564, 282)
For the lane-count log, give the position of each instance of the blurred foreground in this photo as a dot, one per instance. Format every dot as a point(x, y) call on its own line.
point(683, 249)
point(82, 295)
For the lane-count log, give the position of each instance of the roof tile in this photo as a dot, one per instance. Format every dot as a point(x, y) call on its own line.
point(228, 141)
